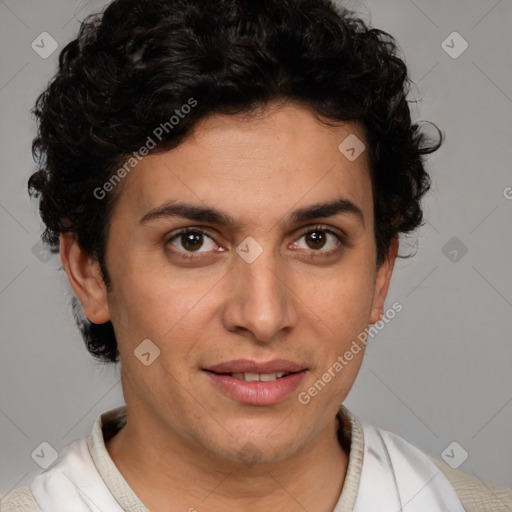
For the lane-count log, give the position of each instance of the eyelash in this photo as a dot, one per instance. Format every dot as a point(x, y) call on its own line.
point(340, 237)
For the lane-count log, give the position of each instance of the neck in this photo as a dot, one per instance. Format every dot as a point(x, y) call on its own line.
point(179, 478)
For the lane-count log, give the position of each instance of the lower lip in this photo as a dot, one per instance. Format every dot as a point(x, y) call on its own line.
point(257, 393)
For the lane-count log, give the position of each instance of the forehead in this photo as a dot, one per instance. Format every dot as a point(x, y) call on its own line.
point(273, 161)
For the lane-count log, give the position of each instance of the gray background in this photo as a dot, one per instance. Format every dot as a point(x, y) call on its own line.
point(438, 373)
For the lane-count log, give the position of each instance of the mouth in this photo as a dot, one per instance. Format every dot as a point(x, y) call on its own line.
point(254, 383)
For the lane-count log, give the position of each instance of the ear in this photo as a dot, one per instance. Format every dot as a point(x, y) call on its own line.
point(84, 275)
point(382, 282)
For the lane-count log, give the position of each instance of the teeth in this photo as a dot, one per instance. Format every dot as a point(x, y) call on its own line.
point(262, 377)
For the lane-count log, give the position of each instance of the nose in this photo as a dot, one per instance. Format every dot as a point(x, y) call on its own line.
point(261, 302)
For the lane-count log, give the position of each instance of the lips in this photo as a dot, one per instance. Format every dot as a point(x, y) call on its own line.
point(257, 383)
point(260, 393)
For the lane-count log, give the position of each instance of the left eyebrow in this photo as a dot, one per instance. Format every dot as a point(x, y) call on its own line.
point(173, 209)
point(329, 209)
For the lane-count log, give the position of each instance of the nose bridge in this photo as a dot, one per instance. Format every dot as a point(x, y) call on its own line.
point(262, 301)
point(264, 277)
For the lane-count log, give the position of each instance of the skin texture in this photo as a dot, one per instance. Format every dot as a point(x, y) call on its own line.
point(186, 444)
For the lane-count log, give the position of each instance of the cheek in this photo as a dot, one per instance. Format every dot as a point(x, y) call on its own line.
point(345, 301)
point(153, 304)
point(347, 316)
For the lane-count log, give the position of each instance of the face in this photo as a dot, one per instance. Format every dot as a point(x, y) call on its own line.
point(277, 281)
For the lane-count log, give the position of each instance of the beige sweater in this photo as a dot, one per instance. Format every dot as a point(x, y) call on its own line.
point(475, 495)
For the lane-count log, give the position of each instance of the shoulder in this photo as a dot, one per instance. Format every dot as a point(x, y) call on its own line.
point(19, 500)
point(475, 494)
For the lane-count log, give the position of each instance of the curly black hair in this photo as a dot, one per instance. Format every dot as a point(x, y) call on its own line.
point(138, 62)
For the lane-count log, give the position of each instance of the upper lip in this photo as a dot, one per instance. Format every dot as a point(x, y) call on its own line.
point(249, 366)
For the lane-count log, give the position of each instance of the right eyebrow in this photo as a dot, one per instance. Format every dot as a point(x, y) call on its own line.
point(189, 211)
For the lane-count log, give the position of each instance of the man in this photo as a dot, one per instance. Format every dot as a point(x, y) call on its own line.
point(226, 183)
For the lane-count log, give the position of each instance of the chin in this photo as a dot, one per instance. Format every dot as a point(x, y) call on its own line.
point(259, 449)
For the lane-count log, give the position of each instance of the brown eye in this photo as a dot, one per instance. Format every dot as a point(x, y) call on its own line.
point(318, 238)
point(190, 240)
